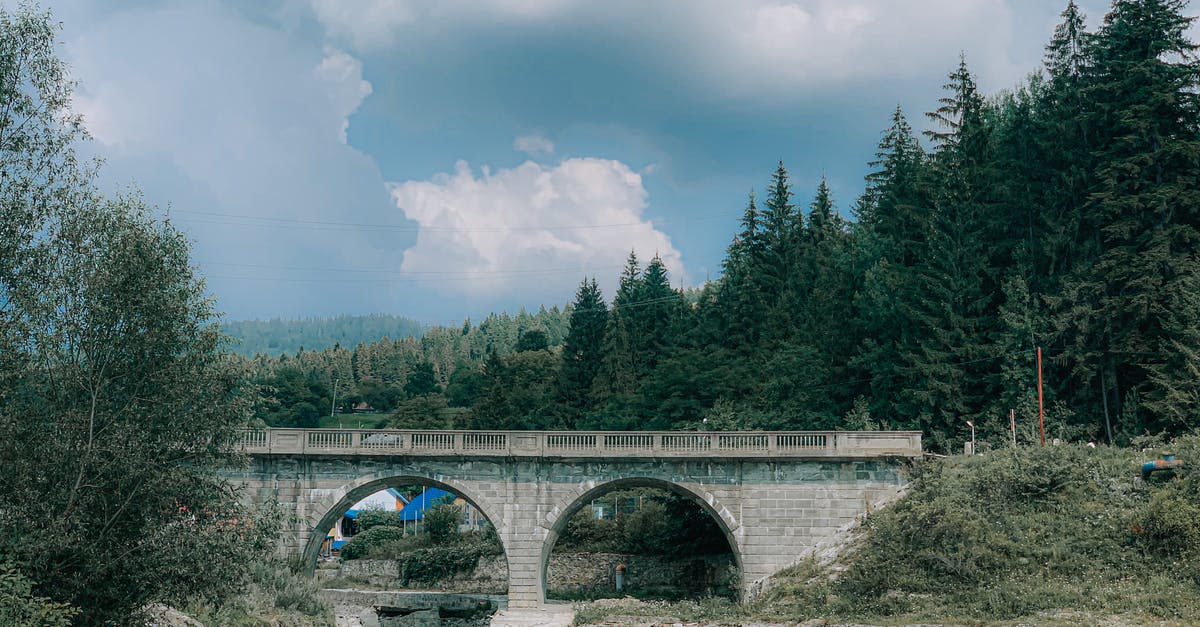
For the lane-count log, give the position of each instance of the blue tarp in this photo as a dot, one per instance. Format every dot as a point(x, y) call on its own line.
point(431, 497)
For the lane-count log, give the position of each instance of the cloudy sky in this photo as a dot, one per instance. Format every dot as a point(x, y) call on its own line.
point(446, 158)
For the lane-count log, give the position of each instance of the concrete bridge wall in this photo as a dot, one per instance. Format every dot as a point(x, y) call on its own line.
point(772, 505)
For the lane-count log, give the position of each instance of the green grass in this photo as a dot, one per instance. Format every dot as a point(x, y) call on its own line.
point(1056, 535)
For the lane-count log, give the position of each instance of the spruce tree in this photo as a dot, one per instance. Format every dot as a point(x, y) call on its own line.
point(654, 315)
point(739, 302)
point(952, 310)
point(617, 376)
point(1146, 201)
point(779, 286)
point(892, 237)
point(582, 354)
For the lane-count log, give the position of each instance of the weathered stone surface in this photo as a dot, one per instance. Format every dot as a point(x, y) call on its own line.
point(773, 508)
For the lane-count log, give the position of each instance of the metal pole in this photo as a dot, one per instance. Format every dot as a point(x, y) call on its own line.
point(333, 403)
point(1041, 407)
point(1012, 425)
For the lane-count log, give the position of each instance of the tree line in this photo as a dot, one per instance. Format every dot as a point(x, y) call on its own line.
point(1060, 214)
point(277, 336)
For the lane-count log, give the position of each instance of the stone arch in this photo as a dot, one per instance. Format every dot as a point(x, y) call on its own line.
point(556, 519)
point(333, 508)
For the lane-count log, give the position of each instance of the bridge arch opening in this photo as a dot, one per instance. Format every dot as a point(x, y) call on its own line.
point(672, 539)
point(433, 494)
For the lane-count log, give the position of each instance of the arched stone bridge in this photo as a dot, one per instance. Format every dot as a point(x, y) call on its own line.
point(774, 494)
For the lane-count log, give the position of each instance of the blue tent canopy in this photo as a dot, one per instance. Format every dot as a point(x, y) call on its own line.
point(431, 497)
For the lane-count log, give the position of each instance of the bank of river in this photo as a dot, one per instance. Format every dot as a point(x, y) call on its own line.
point(391, 608)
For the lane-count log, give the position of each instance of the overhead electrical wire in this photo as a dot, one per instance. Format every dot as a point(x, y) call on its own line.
point(295, 223)
point(368, 280)
point(480, 273)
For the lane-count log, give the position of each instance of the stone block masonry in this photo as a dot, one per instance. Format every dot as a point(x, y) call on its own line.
point(774, 495)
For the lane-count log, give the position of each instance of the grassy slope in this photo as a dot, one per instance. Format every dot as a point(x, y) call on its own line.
point(1060, 535)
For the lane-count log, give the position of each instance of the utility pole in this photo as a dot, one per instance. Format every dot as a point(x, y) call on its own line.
point(1012, 425)
point(1041, 408)
point(333, 403)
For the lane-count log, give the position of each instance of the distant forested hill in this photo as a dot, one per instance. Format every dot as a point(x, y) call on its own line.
point(276, 336)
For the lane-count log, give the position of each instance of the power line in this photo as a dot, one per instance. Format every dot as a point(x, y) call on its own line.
point(295, 223)
point(478, 277)
point(481, 273)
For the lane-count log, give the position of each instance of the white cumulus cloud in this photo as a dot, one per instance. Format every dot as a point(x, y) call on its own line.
point(534, 226)
point(368, 23)
point(245, 141)
point(791, 43)
point(534, 145)
point(342, 76)
point(372, 24)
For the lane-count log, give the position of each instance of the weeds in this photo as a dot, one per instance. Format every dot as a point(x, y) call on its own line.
point(276, 595)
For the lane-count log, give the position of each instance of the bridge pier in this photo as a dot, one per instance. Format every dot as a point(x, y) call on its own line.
point(525, 587)
point(773, 502)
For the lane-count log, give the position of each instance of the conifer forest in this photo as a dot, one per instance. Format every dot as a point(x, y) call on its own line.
point(1062, 214)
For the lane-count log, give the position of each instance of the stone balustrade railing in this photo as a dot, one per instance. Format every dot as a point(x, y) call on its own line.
point(585, 444)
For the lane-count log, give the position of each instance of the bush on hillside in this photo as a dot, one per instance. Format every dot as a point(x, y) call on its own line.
point(1168, 528)
point(1016, 533)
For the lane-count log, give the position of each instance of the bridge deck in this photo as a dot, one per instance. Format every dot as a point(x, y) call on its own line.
point(585, 444)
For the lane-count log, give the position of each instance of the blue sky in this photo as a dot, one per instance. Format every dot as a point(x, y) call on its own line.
point(443, 159)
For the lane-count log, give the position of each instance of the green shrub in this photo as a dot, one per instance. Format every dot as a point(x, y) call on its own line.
point(433, 563)
point(441, 522)
point(584, 533)
point(361, 544)
point(395, 549)
point(1168, 527)
point(20, 607)
point(436, 562)
point(369, 518)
